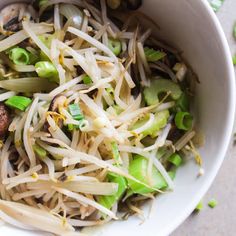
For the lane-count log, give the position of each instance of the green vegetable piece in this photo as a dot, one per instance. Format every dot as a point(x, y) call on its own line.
point(172, 174)
point(153, 55)
point(75, 111)
point(109, 201)
point(87, 80)
point(40, 152)
point(19, 56)
point(212, 203)
point(183, 120)
point(46, 39)
point(138, 169)
point(234, 60)
point(46, 69)
point(183, 102)
point(117, 109)
point(71, 127)
point(18, 102)
point(115, 46)
point(159, 87)
point(234, 31)
point(199, 206)
point(175, 159)
point(33, 58)
point(115, 151)
point(216, 4)
point(159, 122)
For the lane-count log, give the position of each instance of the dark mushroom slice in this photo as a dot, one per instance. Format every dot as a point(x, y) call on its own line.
point(12, 15)
point(134, 4)
point(56, 102)
point(4, 119)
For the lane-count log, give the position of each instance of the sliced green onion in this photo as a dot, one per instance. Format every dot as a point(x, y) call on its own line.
point(40, 152)
point(115, 151)
point(216, 4)
point(75, 111)
point(183, 120)
point(71, 127)
point(212, 203)
point(234, 31)
point(175, 159)
point(234, 60)
point(19, 56)
point(87, 80)
point(115, 46)
point(183, 102)
point(117, 109)
point(18, 102)
point(158, 87)
point(138, 169)
point(199, 206)
point(109, 201)
point(46, 69)
point(153, 55)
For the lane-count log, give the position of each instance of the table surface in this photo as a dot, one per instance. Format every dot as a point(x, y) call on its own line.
point(221, 220)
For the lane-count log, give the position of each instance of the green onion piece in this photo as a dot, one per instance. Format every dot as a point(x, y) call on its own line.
point(109, 201)
point(199, 206)
point(46, 39)
point(172, 174)
point(19, 56)
point(46, 69)
point(117, 109)
point(212, 203)
point(216, 4)
point(115, 151)
point(153, 55)
point(234, 31)
point(40, 152)
point(138, 169)
point(75, 111)
point(234, 60)
point(159, 122)
point(158, 87)
point(115, 46)
point(183, 120)
point(87, 80)
point(175, 159)
point(33, 58)
point(182, 103)
point(18, 102)
point(71, 127)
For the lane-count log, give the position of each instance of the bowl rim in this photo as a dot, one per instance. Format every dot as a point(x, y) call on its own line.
point(229, 123)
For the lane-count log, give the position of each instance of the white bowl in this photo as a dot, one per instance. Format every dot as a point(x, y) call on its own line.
point(191, 26)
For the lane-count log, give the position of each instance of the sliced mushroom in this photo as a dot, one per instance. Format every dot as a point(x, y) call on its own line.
point(12, 15)
point(4, 119)
point(54, 105)
point(134, 4)
point(57, 102)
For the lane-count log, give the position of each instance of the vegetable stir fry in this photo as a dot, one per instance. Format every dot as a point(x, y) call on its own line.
point(95, 113)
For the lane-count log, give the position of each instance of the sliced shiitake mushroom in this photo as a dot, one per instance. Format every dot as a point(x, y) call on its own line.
point(4, 119)
point(12, 15)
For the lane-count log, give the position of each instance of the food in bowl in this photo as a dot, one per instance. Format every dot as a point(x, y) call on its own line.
point(95, 113)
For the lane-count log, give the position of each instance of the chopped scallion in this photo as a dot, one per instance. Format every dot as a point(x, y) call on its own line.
point(199, 206)
point(212, 203)
point(46, 69)
point(87, 80)
point(75, 111)
point(115, 46)
point(19, 56)
point(18, 102)
point(153, 55)
point(183, 120)
point(175, 159)
point(40, 152)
